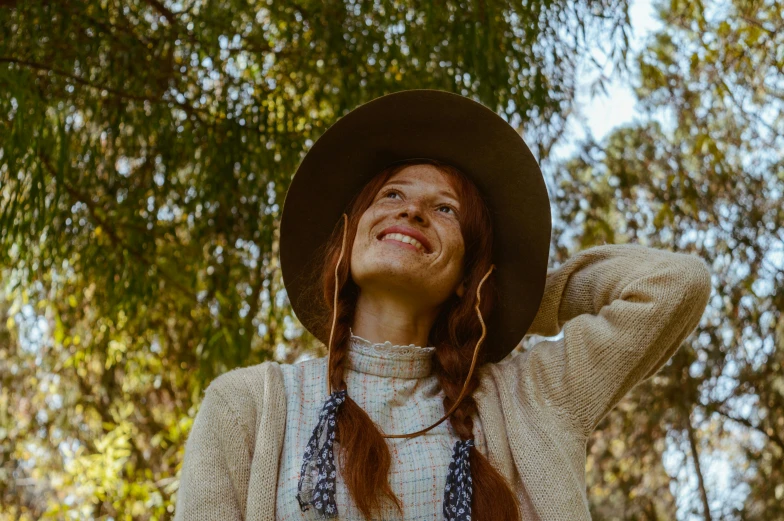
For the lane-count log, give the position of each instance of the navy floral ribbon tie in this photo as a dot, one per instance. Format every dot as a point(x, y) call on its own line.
point(459, 485)
point(316, 485)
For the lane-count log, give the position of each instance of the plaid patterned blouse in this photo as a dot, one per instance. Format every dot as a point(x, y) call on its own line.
point(394, 385)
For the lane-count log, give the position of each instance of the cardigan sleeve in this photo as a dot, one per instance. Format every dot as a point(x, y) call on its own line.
point(217, 463)
point(624, 310)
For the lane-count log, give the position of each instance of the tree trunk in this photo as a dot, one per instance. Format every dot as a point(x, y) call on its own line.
point(696, 457)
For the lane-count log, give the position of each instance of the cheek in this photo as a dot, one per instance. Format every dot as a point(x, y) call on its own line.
point(363, 229)
point(458, 258)
point(361, 242)
point(456, 250)
point(456, 244)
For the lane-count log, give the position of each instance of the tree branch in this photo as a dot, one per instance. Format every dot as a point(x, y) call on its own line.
point(189, 109)
point(164, 11)
point(758, 24)
point(73, 77)
point(778, 440)
point(697, 467)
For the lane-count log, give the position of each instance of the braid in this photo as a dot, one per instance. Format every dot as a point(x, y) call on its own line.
point(492, 497)
point(339, 353)
point(365, 460)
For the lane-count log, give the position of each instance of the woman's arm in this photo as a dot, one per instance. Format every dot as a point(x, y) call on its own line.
point(624, 311)
point(216, 467)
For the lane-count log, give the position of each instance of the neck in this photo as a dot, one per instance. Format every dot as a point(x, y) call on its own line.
point(384, 319)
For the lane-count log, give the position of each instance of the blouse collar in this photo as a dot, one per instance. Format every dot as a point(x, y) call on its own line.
point(388, 359)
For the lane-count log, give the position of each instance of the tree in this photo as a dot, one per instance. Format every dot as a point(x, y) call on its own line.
point(704, 173)
point(146, 150)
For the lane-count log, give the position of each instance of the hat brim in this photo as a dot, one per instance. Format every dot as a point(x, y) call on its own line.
point(449, 128)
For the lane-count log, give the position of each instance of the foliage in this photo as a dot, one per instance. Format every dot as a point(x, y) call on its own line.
point(146, 149)
point(704, 174)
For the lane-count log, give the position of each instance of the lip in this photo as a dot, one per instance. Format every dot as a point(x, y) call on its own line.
point(405, 230)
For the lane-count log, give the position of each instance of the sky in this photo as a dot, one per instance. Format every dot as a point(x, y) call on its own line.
point(604, 112)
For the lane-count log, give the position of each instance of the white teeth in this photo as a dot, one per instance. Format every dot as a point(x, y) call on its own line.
point(404, 238)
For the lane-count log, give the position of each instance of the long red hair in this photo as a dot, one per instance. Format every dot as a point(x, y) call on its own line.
point(365, 458)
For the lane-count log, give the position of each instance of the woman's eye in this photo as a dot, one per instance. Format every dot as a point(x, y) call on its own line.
point(392, 192)
point(448, 209)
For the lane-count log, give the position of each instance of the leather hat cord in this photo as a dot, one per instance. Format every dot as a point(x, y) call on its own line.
point(335, 306)
point(463, 392)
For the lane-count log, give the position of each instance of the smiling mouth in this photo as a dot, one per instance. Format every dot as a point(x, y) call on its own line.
point(405, 239)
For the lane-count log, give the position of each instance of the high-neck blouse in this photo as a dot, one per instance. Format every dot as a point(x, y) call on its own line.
point(395, 385)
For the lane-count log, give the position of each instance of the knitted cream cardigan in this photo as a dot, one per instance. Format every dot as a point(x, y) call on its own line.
point(624, 311)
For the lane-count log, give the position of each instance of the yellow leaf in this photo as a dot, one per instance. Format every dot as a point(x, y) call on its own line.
point(59, 330)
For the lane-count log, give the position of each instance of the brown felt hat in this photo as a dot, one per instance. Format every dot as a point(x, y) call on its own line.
point(450, 128)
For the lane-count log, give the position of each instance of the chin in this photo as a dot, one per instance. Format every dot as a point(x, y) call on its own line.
point(392, 273)
point(389, 273)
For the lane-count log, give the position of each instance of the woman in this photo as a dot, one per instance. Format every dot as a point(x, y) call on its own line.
point(414, 244)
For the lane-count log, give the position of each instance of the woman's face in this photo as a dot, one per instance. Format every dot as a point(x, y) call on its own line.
point(408, 242)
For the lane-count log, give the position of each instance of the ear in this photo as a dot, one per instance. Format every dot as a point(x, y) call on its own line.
point(461, 289)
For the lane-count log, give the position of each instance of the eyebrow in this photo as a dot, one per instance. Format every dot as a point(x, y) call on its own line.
point(440, 192)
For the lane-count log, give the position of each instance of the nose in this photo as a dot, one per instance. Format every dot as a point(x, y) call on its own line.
point(412, 210)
